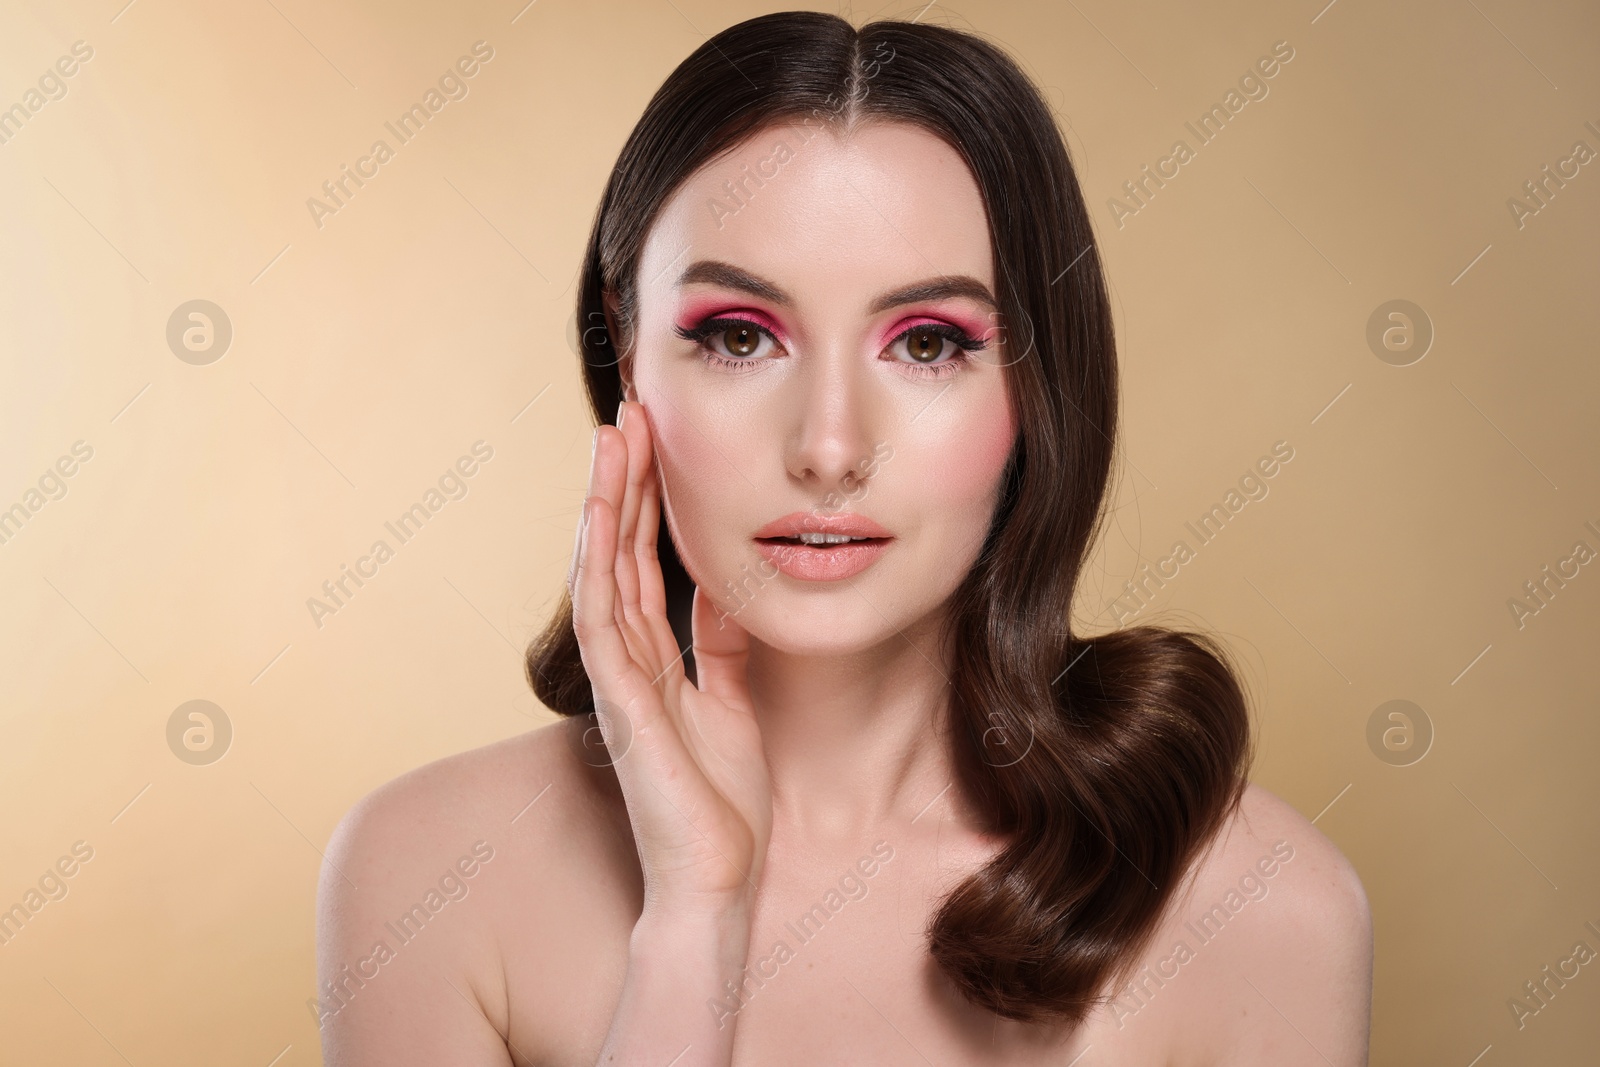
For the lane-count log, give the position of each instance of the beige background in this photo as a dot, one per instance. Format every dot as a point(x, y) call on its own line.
point(434, 310)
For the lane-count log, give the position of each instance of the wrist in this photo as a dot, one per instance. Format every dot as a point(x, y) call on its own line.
point(683, 960)
point(700, 910)
point(718, 916)
point(715, 935)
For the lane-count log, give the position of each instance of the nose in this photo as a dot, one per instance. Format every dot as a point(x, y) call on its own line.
point(832, 417)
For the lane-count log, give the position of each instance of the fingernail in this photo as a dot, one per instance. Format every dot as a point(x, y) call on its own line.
point(622, 411)
point(594, 467)
point(583, 528)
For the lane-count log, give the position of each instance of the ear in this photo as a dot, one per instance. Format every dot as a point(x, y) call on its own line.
point(608, 298)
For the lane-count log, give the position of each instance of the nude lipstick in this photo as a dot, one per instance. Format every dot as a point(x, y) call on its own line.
point(822, 548)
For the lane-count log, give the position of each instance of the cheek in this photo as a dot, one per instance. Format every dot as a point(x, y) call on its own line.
point(966, 478)
point(700, 489)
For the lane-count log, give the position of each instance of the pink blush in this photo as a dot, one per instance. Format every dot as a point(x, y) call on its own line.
point(987, 431)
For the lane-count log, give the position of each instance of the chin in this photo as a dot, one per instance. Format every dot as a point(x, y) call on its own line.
point(826, 619)
point(822, 632)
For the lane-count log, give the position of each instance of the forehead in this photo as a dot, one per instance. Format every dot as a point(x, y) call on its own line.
point(824, 212)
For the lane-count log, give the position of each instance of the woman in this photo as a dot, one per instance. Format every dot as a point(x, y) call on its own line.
point(857, 793)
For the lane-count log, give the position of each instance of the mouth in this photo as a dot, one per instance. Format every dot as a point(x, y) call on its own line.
point(809, 525)
point(822, 548)
point(820, 540)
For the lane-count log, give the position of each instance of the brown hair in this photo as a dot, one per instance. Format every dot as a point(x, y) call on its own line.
point(1105, 763)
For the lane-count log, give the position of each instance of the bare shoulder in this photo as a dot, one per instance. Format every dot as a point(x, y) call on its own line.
point(1321, 875)
point(424, 881)
point(1292, 931)
point(428, 806)
point(425, 816)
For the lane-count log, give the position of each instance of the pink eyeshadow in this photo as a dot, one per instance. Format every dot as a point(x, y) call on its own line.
point(974, 328)
point(696, 312)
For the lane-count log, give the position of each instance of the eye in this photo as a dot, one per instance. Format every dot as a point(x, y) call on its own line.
point(742, 340)
point(730, 341)
point(927, 344)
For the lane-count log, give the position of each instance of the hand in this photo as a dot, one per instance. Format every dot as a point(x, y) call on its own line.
point(692, 768)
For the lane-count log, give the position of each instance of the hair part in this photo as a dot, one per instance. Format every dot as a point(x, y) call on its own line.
point(1107, 764)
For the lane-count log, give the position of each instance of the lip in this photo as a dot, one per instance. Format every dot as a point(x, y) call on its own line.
point(811, 563)
point(799, 522)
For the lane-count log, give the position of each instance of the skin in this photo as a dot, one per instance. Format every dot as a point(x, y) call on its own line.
point(619, 898)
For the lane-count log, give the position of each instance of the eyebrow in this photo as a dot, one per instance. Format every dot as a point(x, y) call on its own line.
point(943, 287)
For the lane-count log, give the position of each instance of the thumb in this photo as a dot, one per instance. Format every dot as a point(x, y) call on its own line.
point(721, 651)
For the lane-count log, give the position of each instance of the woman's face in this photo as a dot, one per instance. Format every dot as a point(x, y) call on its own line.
point(826, 287)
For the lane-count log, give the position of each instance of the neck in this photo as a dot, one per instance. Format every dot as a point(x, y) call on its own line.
point(855, 744)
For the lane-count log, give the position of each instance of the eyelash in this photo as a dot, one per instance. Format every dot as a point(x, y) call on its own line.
point(702, 332)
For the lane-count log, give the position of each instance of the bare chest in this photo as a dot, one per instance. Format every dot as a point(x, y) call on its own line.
point(837, 972)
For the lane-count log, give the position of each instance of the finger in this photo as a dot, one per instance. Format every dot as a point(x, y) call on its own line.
point(595, 458)
point(605, 647)
point(608, 481)
point(721, 652)
point(632, 493)
point(601, 645)
point(652, 586)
